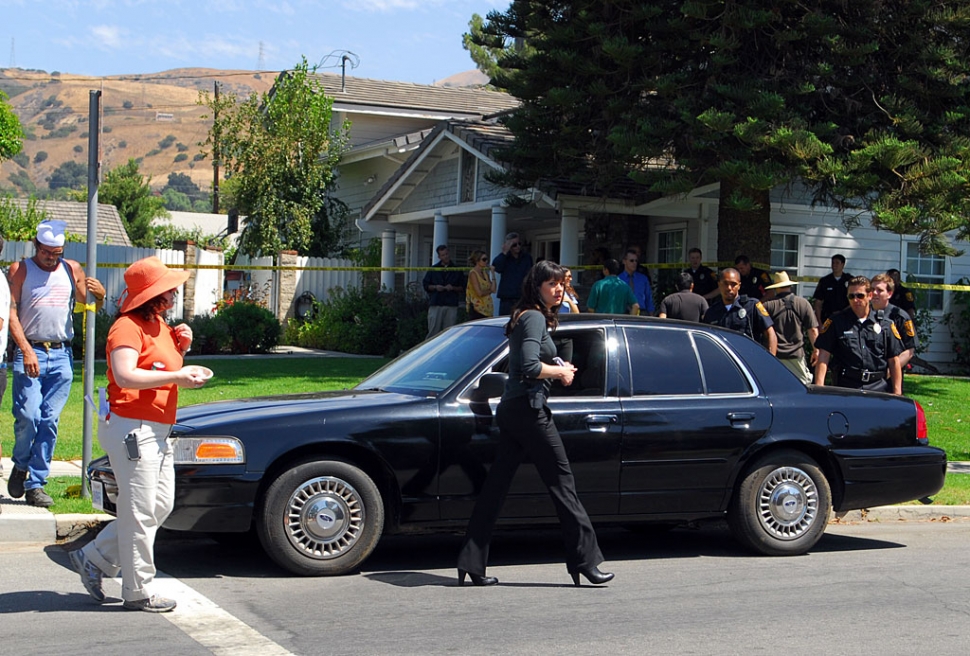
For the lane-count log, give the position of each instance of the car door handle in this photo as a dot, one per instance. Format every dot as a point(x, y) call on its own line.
point(600, 423)
point(740, 417)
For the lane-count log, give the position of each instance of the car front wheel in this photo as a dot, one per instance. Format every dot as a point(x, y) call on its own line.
point(321, 518)
point(782, 505)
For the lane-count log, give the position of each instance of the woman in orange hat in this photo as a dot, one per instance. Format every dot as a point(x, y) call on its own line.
point(144, 373)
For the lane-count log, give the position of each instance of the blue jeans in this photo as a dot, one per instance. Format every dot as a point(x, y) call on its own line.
point(37, 405)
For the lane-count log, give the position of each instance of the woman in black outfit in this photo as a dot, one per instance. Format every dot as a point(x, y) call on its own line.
point(526, 428)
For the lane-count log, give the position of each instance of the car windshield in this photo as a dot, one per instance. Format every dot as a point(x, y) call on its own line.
point(433, 366)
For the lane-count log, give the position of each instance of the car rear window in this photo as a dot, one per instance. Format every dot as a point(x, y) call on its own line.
point(721, 373)
point(663, 362)
point(679, 362)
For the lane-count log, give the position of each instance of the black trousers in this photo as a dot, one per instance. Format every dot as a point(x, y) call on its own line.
point(525, 431)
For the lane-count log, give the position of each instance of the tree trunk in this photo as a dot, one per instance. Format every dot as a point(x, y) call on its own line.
point(744, 233)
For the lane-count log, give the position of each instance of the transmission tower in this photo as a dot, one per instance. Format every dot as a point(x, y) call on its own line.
point(261, 62)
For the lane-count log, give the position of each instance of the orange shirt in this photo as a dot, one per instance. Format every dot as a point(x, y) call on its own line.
point(157, 348)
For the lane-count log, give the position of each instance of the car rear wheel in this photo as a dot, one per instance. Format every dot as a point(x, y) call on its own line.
point(321, 518)
point(782, 505)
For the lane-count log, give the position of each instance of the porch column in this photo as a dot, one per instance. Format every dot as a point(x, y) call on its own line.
point(499, 220)
point(440, 234)
point(388, 238)
point(569, 237)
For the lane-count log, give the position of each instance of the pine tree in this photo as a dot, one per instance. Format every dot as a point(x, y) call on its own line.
point(868, 103)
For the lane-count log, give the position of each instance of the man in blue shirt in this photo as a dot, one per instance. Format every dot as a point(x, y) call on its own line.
point(638, 282)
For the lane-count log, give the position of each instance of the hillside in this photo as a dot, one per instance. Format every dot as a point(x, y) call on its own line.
point(153, 117)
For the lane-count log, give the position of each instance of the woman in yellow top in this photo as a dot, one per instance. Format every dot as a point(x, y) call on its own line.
point(480, 287)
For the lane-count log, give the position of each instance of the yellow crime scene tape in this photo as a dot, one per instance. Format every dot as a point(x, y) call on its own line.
point(578, 267)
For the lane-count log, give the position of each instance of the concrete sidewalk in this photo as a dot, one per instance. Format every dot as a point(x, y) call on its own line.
point(22, 525)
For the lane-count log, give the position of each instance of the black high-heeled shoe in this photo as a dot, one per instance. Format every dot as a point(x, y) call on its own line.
point(476, 579)
point(593, 575)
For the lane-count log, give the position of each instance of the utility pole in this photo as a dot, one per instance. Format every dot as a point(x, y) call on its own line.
point(94, 180)
point(215, 151)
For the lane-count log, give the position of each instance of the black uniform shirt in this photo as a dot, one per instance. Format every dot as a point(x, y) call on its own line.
point(753, 285)
point(904, 326)
point(747, 316)
point(705, 281)
point(903, 299)
point(860, 345)
point(833, 293)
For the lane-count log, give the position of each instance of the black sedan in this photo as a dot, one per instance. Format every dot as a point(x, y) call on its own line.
point(666, 423)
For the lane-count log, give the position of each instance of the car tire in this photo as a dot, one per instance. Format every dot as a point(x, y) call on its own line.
point(321, 518)
point(782, 505)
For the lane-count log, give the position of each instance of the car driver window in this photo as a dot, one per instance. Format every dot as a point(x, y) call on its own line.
point(662, 362)
point(587, 350)
point(721, 372)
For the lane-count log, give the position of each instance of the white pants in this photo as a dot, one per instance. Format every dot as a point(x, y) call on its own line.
point(146, 491)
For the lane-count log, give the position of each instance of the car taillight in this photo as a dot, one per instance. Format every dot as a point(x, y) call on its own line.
point(922, 435)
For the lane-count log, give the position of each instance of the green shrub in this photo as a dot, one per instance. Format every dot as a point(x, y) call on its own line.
point(102, 322)
point(181, 157)
point(364, 321)
point(210, 334)
point(252, 328)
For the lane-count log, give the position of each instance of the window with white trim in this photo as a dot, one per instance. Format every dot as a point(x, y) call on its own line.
point(784, 252)
point(670, 246)
point(925, 268)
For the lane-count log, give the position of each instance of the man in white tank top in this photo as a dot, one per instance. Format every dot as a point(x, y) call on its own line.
point(43, 291)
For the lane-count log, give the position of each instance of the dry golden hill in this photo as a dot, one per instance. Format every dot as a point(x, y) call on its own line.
point(154, 118)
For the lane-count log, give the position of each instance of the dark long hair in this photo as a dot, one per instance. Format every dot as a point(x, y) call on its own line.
point(531, 296)
point(150, 308)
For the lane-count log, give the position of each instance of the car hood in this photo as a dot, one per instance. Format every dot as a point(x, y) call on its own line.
point(207, 415)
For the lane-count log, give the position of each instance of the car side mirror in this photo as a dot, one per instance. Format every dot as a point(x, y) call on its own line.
point(489, 386)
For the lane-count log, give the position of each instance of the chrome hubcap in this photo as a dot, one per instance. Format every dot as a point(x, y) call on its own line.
point(324, 517)
point(788, 503)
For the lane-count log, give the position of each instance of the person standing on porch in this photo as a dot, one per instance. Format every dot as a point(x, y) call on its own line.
point(513, 265)
point(445, 289)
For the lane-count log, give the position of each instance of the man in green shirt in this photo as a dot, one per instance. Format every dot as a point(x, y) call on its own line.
point(611, 295)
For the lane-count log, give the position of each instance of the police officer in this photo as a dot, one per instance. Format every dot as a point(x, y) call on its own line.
point(882, 294)
point(753, 280)
point(831, 289)
point(865, 342)
point(705, 282)
point(745, 315)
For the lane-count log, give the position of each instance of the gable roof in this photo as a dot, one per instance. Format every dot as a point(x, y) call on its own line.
point(111, 229)
point(382, 96)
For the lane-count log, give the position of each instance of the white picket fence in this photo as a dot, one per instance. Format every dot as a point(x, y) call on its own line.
point(112, 261)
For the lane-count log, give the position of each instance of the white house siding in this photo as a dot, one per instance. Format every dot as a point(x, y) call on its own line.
point(438, 189)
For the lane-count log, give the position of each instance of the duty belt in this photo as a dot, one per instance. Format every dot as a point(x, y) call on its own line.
point(47, 346)
point(863, 375)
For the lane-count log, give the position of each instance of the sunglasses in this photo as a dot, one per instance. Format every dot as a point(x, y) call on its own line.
point(856, 297)
point(484, 259)
point(48, 252)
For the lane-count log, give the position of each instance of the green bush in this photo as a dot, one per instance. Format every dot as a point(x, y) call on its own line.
point(252, 328)
point(364, 321)
point(181, 157)
point(210, 334)
point(102, 322)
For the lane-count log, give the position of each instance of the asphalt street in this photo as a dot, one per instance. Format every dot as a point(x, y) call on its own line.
point(868, 588)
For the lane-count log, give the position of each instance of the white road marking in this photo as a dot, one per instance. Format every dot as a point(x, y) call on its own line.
point(210, 625)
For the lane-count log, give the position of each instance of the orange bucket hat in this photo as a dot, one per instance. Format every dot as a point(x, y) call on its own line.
point(147, 278)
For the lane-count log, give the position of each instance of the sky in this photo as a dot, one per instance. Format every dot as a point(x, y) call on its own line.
point(403, 40)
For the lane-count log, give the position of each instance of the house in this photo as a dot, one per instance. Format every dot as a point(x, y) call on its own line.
point(416, 175)
point(111, 228)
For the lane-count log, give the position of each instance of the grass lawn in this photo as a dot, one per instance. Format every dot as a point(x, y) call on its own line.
point(943, 399)
point(235, 377)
